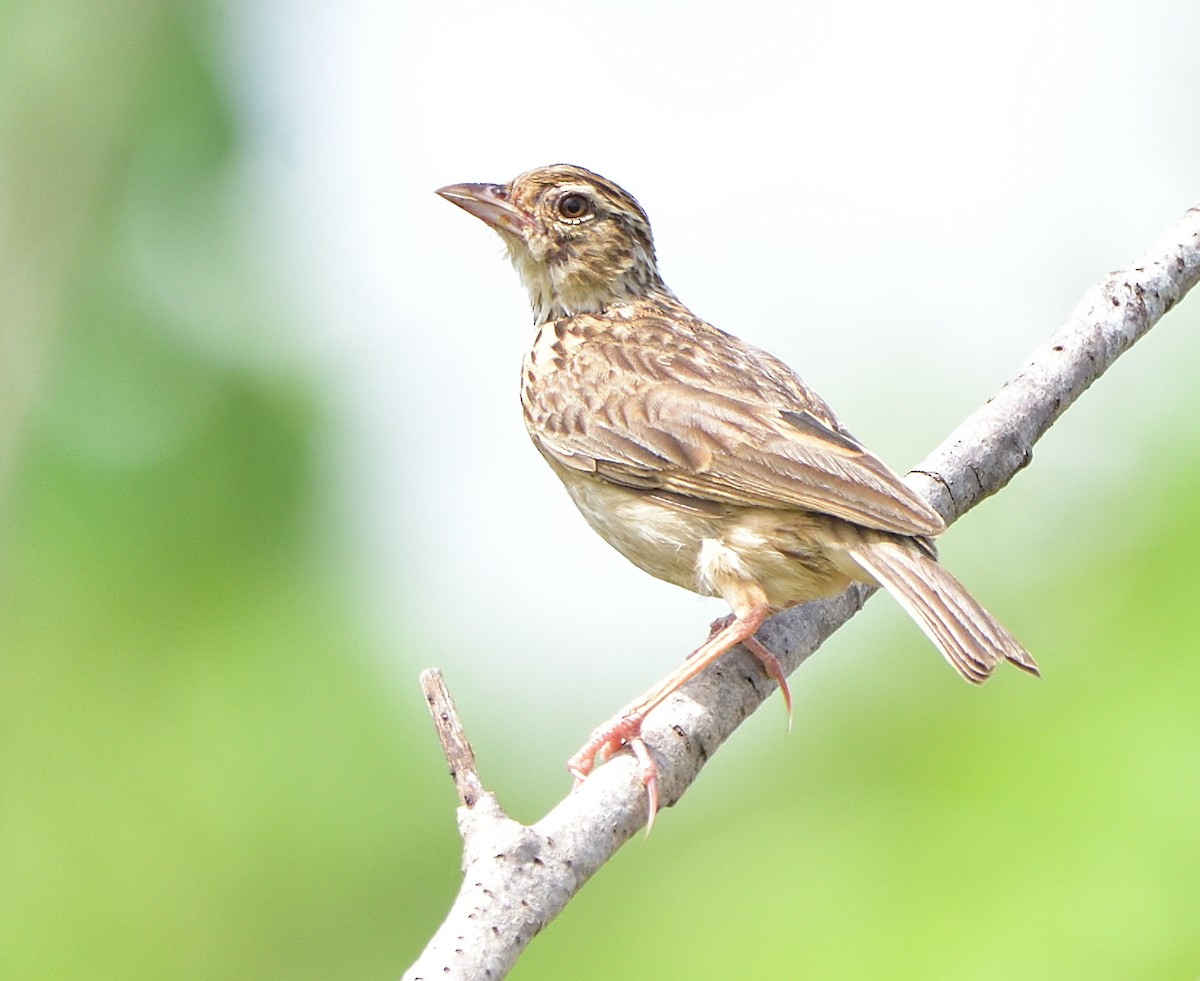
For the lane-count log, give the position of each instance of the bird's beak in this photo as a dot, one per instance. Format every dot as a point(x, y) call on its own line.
point(490, 204)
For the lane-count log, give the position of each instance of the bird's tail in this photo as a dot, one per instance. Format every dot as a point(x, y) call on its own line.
point(969, 637)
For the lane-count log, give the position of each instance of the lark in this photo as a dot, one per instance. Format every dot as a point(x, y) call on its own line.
point(703, 460)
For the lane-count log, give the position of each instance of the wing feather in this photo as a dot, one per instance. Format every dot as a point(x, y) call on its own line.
point(718, 420)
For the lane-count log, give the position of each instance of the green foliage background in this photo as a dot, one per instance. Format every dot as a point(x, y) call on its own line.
point(203, 775)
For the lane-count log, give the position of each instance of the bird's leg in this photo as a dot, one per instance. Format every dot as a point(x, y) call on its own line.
point(625, 728)
point(765, 657)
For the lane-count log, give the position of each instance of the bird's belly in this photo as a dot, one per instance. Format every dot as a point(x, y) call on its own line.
point(661, 539)
point(710, 548)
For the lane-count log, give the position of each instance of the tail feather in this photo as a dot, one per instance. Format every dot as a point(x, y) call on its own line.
point(969, 637)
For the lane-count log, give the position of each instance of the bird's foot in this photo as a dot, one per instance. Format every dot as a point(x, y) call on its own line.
point(624, 730)
point(768, 660)
point(719, 624)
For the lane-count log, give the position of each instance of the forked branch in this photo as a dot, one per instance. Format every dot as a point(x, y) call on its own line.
point(516, 879)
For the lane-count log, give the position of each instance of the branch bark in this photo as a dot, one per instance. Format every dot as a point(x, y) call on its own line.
point(516, 879)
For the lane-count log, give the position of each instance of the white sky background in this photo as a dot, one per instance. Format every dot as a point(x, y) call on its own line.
point(900, 200)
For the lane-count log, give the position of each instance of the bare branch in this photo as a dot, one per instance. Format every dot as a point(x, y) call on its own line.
point(457, 750)
point(993, 443)
point(516, 878)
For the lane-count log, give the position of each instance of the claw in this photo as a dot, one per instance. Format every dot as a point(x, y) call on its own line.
point(774, 671)
point(621, 731)
point(649, 778)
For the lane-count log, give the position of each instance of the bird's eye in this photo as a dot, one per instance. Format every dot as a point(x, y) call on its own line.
point(574, 207)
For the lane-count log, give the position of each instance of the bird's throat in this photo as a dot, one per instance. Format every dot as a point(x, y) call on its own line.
point(554, 295)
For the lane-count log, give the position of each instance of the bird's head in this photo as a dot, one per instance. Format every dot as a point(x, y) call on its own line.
point(580, 243)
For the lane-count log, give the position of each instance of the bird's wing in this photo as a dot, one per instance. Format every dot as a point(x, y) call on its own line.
point(735, 444)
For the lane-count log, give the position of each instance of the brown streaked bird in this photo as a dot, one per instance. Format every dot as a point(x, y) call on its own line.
point(703, 460)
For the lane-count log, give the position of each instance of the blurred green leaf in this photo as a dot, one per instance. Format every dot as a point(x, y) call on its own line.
point(202, 773)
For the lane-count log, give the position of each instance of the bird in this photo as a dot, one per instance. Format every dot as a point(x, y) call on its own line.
point(705, 461)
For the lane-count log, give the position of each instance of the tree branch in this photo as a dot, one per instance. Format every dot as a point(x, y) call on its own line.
point(516, 879)
point(455, 748)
